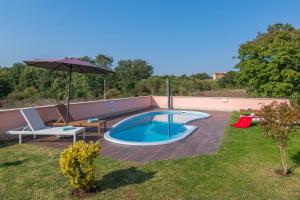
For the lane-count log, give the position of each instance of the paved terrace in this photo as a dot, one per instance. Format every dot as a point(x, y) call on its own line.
point(205, 140)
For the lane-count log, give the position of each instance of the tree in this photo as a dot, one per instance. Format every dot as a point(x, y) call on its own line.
point(5, 85)
point(14, 73)
point(82, 87)
point(129, 72)
point(270, 64)
point(228, 80)
point(278, 121)
point(104, 60)
point(295, 99)
point(87, 59)
point(58, 88)
point(113, 93)
point(141, 88)
point(155, 83)
point(201, 76)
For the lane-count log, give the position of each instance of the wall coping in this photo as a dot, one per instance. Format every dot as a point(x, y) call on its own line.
point(263, 98)
point(74, 103)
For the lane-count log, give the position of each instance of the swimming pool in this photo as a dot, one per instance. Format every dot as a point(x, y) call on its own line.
point(154, 127)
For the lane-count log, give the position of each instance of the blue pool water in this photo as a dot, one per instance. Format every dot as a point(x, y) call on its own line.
point(151, 132)
point(153, 128)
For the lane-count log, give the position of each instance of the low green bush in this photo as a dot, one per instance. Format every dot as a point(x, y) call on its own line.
point(113, 93)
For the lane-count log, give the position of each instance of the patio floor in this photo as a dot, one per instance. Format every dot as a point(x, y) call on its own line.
point(205, 140)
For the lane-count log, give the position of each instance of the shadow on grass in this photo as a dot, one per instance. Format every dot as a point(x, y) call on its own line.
point(12, 163)
point(4, 144)
point(123, 177)
point(254, 124)
point(296, 158)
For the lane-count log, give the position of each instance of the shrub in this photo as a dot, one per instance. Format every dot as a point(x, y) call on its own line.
point(278, 121)
point(5, 85)
point(76, 162)
point(228, 80)
point(295, 99)
point(113, 93)
point(141, 88)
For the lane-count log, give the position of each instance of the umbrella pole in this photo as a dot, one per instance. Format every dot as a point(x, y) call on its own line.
point(69, 92)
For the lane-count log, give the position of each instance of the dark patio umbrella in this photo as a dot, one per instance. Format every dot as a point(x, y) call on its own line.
point(69, 65)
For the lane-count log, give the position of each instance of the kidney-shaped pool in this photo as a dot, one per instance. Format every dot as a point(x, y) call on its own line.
point(154, 127)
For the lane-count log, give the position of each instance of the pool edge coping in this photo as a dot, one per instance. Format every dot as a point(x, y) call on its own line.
point(190, 129)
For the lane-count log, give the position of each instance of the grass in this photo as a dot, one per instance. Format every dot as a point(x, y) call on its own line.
point(243, 168)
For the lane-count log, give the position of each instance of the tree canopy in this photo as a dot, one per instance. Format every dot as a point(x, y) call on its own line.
point(270, 64)
point(104, 60)
point(129, 72)
point(202, 76)
point(131, 78)
point(228, 80)
point(5, 84)
point(279, 121)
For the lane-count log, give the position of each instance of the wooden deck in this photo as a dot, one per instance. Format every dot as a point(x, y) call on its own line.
point(205, 140)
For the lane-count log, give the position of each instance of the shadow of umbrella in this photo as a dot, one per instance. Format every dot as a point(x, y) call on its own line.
point(123, 177)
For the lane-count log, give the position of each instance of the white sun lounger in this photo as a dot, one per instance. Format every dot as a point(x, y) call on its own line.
point(35, 126)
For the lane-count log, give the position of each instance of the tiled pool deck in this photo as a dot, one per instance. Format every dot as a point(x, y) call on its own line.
point(205, 140)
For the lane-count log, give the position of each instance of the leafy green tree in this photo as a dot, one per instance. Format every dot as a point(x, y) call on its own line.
point(295, 99)
point(201, 76)
point(132, 77)
point(141, 88)
point(87, 59)
point(183, 76)
point(228, 80)
point(14, 74)
point(28, 78)
point(182, 86)
point(58, 88)
point(155, 83)
point(5, 85)
point(270, 64)
point(278, 121)
point(82, 88)
point(129, 72)
point(104, 60)
point(113, 93)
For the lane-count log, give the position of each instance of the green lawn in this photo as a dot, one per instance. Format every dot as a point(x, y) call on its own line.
point(242, 169)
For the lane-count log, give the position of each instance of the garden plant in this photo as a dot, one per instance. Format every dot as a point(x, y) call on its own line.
point(77, 163)
point(279, 122)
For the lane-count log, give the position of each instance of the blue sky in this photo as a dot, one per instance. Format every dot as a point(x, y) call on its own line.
point(176, 37)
